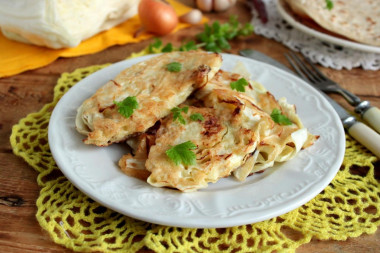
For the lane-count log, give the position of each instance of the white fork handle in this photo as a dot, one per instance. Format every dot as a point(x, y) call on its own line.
point(372, 116)
point(366, 136)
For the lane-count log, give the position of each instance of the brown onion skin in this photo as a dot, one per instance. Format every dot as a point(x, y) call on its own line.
point(157, 16)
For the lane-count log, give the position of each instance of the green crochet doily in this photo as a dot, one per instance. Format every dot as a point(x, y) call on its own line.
point(348, 207)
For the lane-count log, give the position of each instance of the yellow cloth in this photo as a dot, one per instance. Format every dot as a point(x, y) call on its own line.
point(348, 207)
point(16, 57)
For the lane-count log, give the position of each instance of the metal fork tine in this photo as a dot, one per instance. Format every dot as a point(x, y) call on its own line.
point(320, 74)
point(319, 80)
point(302, 66)
point(312, 70)
point(296, 68)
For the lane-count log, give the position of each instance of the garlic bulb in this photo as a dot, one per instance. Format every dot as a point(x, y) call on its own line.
point(214, 5)
point(192, 17)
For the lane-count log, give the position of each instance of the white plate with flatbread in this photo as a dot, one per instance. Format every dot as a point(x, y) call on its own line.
point(288, 16)
point(278, 190)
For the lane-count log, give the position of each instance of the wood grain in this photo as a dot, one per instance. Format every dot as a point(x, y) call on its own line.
point(29, 91)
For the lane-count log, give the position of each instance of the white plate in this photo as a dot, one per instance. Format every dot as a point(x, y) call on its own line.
point(226, 203)
point(323, 36)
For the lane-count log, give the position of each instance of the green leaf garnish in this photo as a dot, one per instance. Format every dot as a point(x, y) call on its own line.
point(329, 4)
point(155, 46)
point(177, 114)
point(279, 118)
point(167, 48)
point(127, 106)
point(239, 85)
point(191, 45)
point(174, 67)
point(215, 37)
point(197, 116)
point(182, 153)
point(246, 30)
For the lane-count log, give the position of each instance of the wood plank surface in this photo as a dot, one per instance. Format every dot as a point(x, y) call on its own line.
point(29, 91)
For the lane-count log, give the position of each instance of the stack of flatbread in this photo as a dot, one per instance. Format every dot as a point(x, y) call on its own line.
point(358, 20)
point(234, 133)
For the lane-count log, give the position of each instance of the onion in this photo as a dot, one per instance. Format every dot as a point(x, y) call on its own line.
point(157, 16)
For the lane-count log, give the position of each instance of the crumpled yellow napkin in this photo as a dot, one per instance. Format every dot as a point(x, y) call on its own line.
point(16, 57)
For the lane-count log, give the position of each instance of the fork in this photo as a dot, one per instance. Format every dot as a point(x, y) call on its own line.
point(309, 72)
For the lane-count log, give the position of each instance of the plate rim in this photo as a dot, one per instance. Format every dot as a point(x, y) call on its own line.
point(322, 36)
point(184, 222)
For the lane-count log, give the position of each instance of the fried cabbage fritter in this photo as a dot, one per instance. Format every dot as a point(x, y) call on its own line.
point(156, 89)
point(236, 137)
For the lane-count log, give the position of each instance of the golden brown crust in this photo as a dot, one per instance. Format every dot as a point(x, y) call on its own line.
point(225, 139)
point(206, 134)
point(237, 136)
point(134, 165)
point(156, 89)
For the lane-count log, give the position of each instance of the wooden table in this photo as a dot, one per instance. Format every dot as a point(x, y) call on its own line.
point(29, 91)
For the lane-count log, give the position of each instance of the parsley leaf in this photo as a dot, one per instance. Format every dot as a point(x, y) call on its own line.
point(329, 4)
point(197, 116)
point(167, 48)
point(239, 85)
point(155, 46)
point(191, 45)
point(182, 153)
point(215, 37)
point(246, 30)
point(177, 114)
point(127, 106)
point(279, 118)
point(174, 67)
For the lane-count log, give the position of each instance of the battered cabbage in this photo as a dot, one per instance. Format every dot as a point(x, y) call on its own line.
point(237, 137)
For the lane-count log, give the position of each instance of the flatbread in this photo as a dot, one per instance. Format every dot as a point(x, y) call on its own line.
point(358, 20)
point(156, 89)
